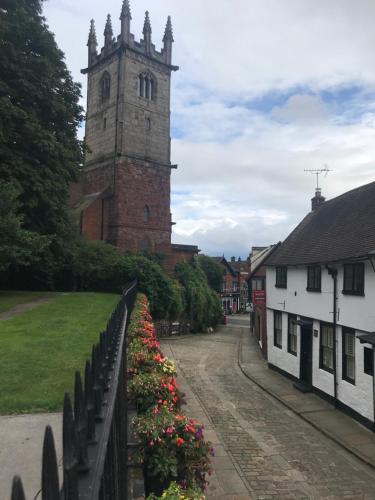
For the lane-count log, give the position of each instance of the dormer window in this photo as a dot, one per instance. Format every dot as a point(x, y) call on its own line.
point(105, 87)
point(147, 86)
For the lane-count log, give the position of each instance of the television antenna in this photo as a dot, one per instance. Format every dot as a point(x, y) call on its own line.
point(317, 172)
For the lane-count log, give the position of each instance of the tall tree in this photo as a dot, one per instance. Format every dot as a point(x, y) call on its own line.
point(18, 247)
point(213, 271)
point(39, 117)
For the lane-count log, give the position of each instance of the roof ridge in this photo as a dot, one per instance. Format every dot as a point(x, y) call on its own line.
point(347, 193)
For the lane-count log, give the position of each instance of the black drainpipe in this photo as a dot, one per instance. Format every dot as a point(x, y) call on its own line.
point(332, 271)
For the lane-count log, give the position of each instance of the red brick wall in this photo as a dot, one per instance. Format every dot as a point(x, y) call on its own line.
point(137, 185)
point(178, 256)
point(91, 226)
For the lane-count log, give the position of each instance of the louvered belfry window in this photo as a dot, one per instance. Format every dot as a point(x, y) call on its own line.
point(147, 86)
point(348, 355)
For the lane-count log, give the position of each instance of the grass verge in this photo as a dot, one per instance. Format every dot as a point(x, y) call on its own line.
point(41, 349)
point(10, 298)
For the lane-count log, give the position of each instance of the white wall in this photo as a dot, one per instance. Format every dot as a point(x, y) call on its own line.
point(353, 312)
point(361, 395)
point(281, 357)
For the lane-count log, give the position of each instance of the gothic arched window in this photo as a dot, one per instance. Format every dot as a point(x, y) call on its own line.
point(146, 214)
point(105, 86)
point(147, 86)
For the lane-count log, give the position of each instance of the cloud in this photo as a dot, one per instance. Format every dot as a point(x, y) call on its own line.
point(266, 89)
point(302, 108)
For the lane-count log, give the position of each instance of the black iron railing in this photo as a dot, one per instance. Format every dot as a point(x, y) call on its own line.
point(95, 430)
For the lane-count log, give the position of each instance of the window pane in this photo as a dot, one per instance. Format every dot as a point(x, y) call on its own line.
point(349, 344)
point(350, 367)
point(348, 277)
point(317, 278)
point(359, 278)
point(368, 360)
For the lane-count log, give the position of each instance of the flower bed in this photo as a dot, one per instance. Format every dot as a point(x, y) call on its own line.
point(173, 449)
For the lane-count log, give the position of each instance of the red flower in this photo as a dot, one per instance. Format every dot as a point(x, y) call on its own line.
point(179, 441)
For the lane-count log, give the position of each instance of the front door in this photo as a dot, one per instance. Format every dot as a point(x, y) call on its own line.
point(306, 354)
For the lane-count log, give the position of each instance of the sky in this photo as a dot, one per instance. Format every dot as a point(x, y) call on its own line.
point(265, 90)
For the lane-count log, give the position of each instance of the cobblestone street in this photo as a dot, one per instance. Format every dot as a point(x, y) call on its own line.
point(264, 449)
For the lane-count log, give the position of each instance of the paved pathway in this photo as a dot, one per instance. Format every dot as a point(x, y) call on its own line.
point(21, 445)
point(269, 452)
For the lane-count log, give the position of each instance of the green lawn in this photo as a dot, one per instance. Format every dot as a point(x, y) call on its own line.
point(41, 349)
point(9, 299)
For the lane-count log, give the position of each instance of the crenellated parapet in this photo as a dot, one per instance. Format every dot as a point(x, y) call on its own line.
point(127, 40)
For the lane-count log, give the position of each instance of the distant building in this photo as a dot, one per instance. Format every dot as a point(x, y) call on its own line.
point(321, 302)
point(234, 291)
point(257, 292)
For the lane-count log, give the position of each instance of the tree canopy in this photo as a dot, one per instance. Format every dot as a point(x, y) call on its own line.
point(202, 305)
point(18, 246)
point(39, 117)
point(213, 271)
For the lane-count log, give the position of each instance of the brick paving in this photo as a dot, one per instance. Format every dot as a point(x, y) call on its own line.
point(274, 453)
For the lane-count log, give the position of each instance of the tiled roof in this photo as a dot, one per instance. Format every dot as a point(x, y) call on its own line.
point(341, 228)
point(240, 266)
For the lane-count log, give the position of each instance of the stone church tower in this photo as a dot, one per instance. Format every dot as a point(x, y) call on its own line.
point(123, 197)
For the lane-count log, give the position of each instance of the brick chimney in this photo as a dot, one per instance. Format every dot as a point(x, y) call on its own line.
point(317, 200)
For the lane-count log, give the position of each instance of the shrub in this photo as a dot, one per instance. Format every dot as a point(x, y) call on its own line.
point(178, 492)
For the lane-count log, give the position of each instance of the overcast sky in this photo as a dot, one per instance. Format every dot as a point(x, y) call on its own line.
point(266, 89)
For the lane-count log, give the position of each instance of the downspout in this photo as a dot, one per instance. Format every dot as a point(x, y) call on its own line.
point(332, 271)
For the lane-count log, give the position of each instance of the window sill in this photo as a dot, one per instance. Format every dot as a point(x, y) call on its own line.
point(315, 290)
point(292, 353)
point(278, 346)
point(281, 286)
point(350, 292)
point(350, 381)
point(325, 369)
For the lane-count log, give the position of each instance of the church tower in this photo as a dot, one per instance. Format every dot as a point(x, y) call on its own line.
point(124, 195)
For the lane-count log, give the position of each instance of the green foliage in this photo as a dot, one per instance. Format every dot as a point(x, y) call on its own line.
point(177, 492)
point(73, 263)
point(39, 117)
point(17, 245)
point(213, 271)
point(202, 304)
point(162, 291)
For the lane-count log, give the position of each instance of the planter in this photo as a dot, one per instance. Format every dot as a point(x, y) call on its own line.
point(156, 485)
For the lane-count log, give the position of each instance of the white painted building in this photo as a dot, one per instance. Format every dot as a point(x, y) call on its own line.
point(322, 338)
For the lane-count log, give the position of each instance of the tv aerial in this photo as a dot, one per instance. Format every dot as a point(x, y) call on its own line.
point(317, 172)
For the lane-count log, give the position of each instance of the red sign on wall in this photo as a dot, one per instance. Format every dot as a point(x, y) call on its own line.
point(259, 298)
